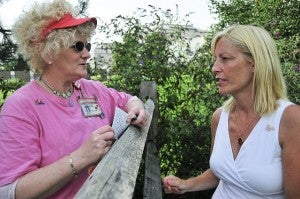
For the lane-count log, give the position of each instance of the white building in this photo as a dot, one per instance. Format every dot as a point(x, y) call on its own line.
point(195, 37)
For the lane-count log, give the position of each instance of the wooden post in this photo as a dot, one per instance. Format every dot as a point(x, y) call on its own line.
point(148, 90)
point(115, 175)
point(152, 179)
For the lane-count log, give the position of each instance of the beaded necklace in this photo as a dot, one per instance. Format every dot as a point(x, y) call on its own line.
point(56, 92)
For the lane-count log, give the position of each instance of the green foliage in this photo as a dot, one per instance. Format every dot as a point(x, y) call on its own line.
point(7, 87)
point(9, 59)
point(276, 16)
point(186, 87)
point(145, 52)
point(158, 50)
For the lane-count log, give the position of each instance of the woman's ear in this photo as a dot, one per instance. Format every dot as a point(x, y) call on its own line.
point(252, 65)
point(253, 68)
point(48, 60)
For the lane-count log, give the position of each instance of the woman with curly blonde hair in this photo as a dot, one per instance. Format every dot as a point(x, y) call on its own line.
point(54, 129)
point(256, 133)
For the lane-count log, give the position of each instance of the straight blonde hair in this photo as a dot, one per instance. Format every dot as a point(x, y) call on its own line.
point(257, 46)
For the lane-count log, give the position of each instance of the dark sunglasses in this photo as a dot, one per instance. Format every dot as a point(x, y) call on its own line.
point(79, 46)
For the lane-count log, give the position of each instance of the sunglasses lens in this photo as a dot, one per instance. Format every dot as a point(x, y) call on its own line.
point(88, 46)
point(79, 46)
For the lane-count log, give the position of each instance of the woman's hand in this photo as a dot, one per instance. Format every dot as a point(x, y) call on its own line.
point(138, 117)
point(96, 145)
point(173, 184)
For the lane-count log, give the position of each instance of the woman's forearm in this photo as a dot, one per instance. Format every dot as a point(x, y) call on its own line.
point(43, 182)
point(205, 181)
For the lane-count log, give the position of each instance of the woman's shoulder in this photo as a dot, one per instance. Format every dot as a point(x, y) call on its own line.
point(88, 83)
point(291, 116)
point(290, 112)
point(290, 124)
point(23, 92)
point(216, 118)
point(22, 97)
point(217, 114)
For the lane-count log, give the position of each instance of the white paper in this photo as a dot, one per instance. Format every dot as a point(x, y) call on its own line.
point(119, 124)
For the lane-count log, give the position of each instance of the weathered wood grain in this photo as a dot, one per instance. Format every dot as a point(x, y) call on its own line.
point(152, 179)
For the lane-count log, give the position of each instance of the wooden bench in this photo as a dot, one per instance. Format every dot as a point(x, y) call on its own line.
point(115, 176)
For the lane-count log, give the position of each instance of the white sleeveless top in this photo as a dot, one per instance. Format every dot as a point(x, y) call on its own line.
point(257, 170)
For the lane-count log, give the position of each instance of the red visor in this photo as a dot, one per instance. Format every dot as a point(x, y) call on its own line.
point(66, 21)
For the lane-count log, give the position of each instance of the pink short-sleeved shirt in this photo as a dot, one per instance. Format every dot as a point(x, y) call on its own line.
point(38, 128)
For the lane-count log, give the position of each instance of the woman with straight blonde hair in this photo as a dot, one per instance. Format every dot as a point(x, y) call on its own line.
point(255, 150)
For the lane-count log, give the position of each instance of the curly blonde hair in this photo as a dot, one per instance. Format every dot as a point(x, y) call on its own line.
point(28, 29)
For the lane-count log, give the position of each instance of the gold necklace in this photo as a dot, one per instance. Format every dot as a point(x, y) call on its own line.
point(56, 92)
point(240, 138)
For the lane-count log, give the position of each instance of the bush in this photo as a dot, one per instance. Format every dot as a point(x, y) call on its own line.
point(7, 87)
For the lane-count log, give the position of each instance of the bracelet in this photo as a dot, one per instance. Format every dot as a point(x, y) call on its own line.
point(75, 173)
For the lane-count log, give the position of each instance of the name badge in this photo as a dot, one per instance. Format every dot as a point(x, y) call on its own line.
point(90, 107)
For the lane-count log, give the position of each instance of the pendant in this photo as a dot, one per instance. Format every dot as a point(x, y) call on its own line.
point(240, 141)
